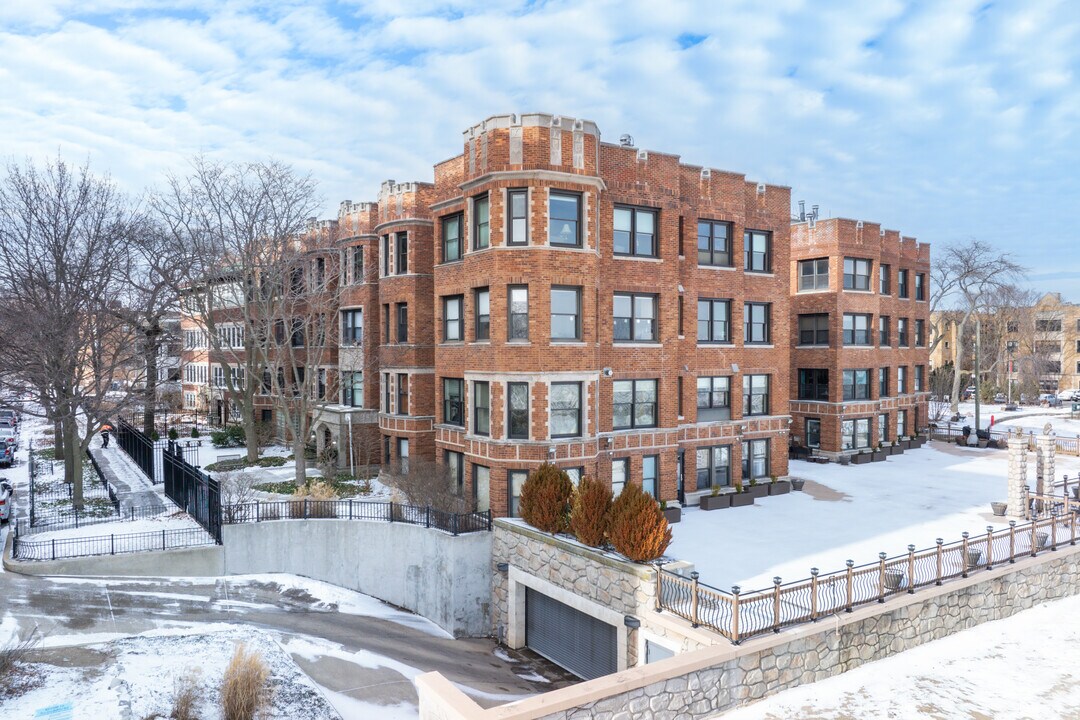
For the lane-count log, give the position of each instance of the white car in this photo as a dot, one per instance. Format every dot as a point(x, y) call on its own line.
point(1069, 395)
point(7, 502)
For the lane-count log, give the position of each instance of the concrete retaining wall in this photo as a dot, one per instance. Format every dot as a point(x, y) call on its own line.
point(446, 579)
point(185, 562)
point(708, 681)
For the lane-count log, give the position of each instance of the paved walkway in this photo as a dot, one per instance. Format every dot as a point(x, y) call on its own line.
point(133, 488)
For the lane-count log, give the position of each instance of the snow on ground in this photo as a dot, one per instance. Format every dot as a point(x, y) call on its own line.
point(1020, 667)
point(140, 672)
point(1026, 416)
point(849, 512)
point(175, 521)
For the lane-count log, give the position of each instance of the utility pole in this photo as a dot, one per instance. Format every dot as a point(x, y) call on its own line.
point(978, 347)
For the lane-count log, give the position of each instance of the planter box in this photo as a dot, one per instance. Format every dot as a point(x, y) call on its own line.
point(999, 508)
point(904, 444)
point(861, 458)
point(716, 502)
point(897, 449)
point(742, 499)
point(844, 460)
point(981, 443)
point(780, 487)
point(918, 441)
point(878, 456)
point(672, 515)
point(757, 491)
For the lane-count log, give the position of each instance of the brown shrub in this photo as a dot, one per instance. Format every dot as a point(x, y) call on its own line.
point(185, 698)
point(245, 690)
point(321, 497)
point(591, 512)
point(545, 499)
point(638, 528)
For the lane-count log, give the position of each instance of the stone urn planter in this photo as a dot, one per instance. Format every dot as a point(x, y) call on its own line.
point(716, 502)
point(999, 508)
point(742, 499)
point(894, 579)
point(780, 487)
point(861, 459)
point(757, 491)
point(672, 515)
point(797, 484)
point(1041, 538)
point(878, 455)
point(981, 443)
point(844, 460)
point(973, 556)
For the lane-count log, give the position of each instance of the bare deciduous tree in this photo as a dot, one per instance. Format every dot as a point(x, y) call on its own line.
point(424, 482)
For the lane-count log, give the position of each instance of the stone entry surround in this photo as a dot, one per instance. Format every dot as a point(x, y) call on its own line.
point(700, 683)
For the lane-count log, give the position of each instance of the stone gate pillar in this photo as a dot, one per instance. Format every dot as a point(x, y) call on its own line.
point(1045, 449)
point(1018, 448)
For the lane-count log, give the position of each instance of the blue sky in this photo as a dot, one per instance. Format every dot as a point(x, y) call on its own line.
point(943, 120)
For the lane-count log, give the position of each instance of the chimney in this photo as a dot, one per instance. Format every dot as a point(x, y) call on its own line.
point(814, 211)
point(802, 210)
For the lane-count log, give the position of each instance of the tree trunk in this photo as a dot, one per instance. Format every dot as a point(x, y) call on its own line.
point(247, 416)
point(73, 462)
point(958, 360)
point(150, 395)
point(58, 439)
point(299, 447)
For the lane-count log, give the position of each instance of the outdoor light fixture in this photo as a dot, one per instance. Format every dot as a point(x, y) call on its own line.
point(631, 622)
point(503, 567)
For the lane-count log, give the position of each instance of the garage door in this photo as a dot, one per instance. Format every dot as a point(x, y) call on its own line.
point(582, 644)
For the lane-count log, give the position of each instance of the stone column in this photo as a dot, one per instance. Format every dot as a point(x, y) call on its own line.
point(1045, 449)
point(1018, 447)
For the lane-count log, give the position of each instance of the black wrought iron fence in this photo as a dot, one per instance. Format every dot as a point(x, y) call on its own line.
point(61, 548)
point(138, 446)
point(306, 509)
point(193, 491)
point(71, 519)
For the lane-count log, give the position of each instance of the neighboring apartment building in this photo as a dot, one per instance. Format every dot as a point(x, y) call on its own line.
point(1055, 346)
point(860, 310)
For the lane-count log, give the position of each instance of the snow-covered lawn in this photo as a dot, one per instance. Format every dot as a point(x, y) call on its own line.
point(1031, 417)
point(852, 512)
point(1020, 667)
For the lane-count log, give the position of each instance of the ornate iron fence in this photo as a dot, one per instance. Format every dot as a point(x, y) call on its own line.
point(305, 509)
point(61, 548)
point(138, 446)
point(737, 615)
point(193, 491)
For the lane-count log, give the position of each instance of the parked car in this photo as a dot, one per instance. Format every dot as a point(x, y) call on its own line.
point(9, 415)
point(1000, 398)
point(1069, 395)
point(7, 501)
point(7, 455)
point(1049, 400)
point(9, 437)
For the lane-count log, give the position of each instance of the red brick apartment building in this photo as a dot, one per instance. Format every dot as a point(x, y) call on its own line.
point(550, 297)
point(859, 320)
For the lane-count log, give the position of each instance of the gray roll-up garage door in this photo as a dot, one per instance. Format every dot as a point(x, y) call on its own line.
point(582, 644)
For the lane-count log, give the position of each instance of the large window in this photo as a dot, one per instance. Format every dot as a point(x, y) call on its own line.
point(635, 232)
point(453, 405)
point(902, 283)
point(920, 333)
point(920, 378)
point(755, 395)
point(856, 274)
point(357, 265)
point(565, 313)
point(620, 470)
point(902, 331)
point(635, 318)
point(352, 389)
point(856, 329)
point(757, 249)
point(883, 382)
point(518, 307)
point(453, 320)
point(920, 286)
point(481, 481)
point(755, 459)
point(901, 423)
point(386, 263)
point(402, 322)
point(814, 274)
point(813, 384)
point(714, 243)
point(883, 331)
point(634, 404)
point(883, 428)
point(403, 455)
point(713, 467)
point(901, 379)
point(451, 238)
point(481, 408)
point(713, 398)
point(518, 224)
point(650, 475)
point(565, 407)
point(455, 464)
point(402, 250)
point(855, 434)
point(714, 321)
point(482, 306)
point(856, 385)
point(515, 480)
point(814, 329)
point(564, 219)
point(481, 224)
point(756, 323)
point(518, 410)
point(352, 327)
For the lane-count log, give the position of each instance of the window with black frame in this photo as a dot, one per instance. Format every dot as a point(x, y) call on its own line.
point(352, 327)
point(756, 322)
point(453, 320)
point(856, 329)
point(856, 384)
point(757, 251)
point(451, 237)
point(634, 318)
point(482, 307)
point(565, 409)
point(713, 398)
point(813, 275)
point(481, 223)
point(634, 232)
point(856, 274)
point(453, 405)
point(565, 313)
point(515, 480)
point(714, 244)
point(518, 225)
point(755, 395)
point(564, 219)
point(714, 321)
point(713, 467)
point(481, 408)
point(650, 475)
point(402, 322)
point(518, 410)
point(634, 404)
point(814, 329)
point(755, 459)
point(813, 384)
point(813, 432)
point(518, 308)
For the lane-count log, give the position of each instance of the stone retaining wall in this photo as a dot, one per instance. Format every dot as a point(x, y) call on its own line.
point(705, 682)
